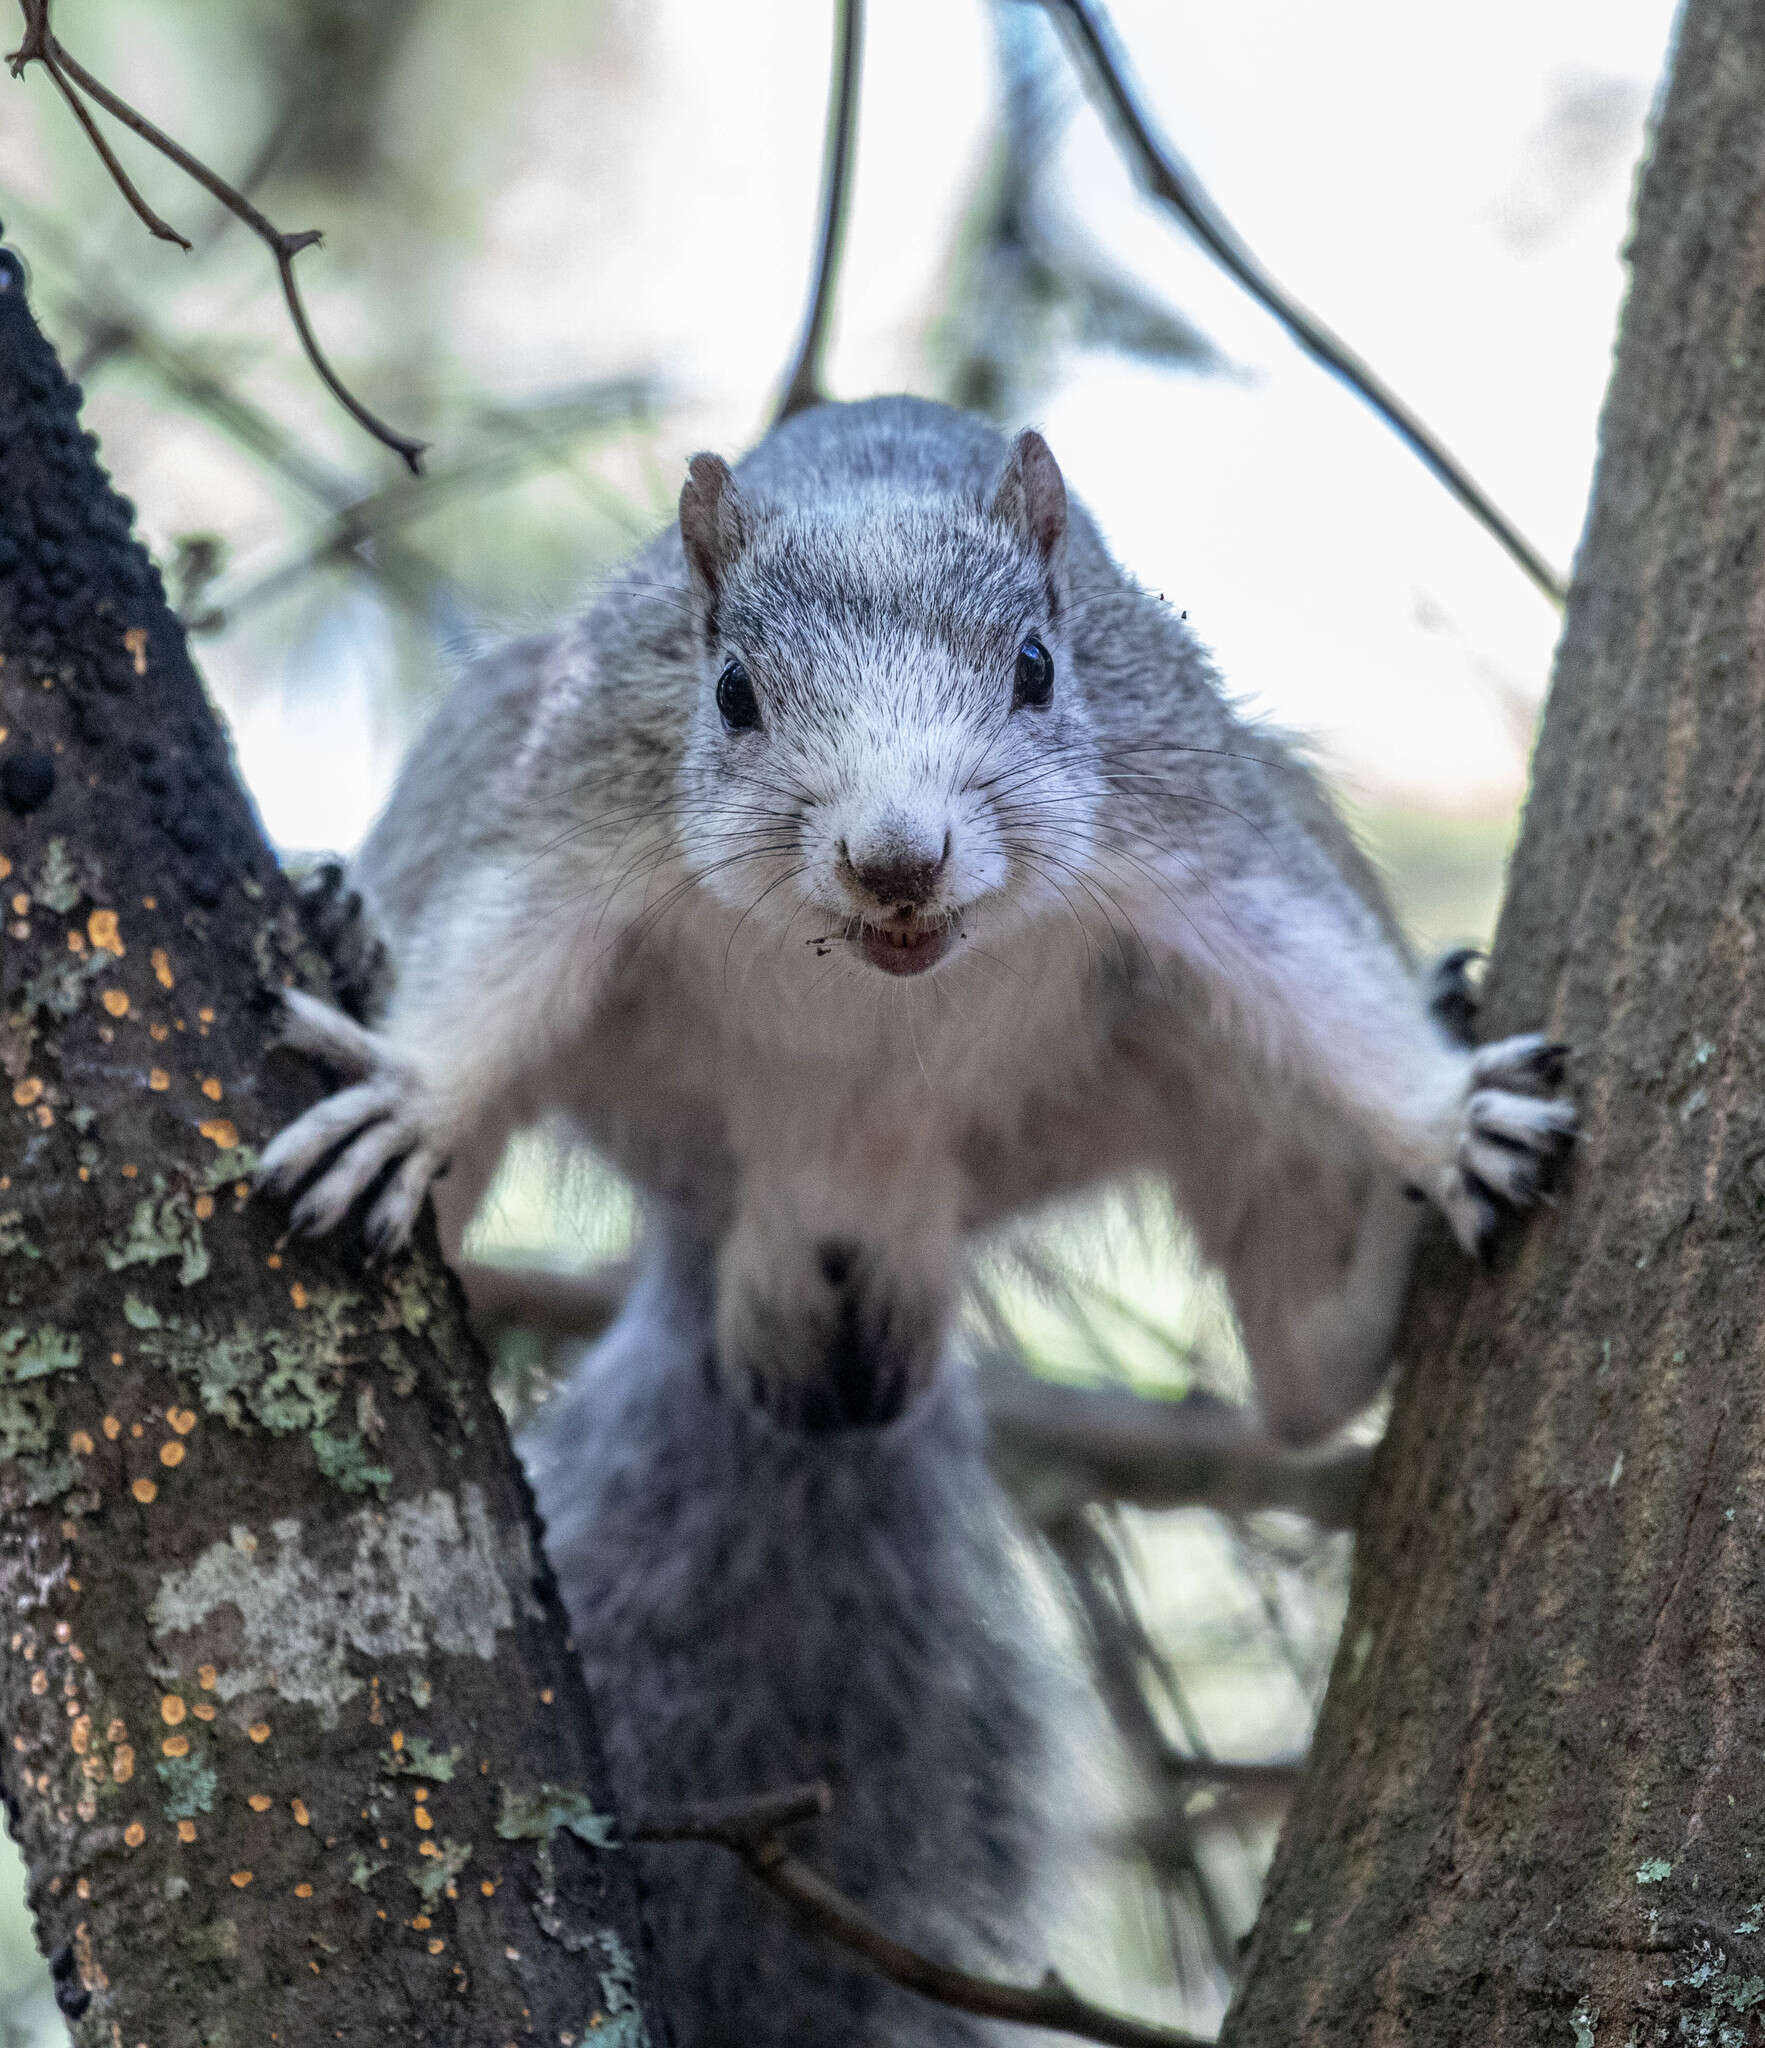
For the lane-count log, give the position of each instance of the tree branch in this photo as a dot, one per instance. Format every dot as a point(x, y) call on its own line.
point(1111, 1444)
point(803, 385)
point(750, 1829)
point(40, 46)
point(1163, 174)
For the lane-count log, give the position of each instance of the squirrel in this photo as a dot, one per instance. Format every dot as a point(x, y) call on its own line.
point(758, 1608)
point(874, 862)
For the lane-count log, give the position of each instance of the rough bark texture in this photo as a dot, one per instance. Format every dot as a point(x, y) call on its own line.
point(294, 1745)
point(1534, 1812)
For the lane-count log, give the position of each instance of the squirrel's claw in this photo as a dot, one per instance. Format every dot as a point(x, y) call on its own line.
point(1508, 1144)
point(377, 1120)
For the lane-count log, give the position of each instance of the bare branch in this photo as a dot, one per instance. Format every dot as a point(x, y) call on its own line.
point(1111, 1444)
point(749, 1829)
point(803, 385)
point(1170, 181)
point(41, 46)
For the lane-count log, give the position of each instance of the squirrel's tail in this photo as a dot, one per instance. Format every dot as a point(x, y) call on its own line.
point(757, 1609)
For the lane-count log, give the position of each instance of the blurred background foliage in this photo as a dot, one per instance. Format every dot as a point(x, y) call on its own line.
point(567, 244)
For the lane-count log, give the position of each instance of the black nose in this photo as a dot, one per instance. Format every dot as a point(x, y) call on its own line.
point(893, 874)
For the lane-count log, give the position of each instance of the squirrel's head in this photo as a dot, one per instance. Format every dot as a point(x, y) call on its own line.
point(889, 755)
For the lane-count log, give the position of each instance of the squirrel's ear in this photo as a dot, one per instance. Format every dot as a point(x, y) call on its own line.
point(1031, 499)
point(713, 522)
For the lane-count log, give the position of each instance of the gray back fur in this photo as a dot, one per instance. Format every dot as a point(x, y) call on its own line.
point(755, 1609)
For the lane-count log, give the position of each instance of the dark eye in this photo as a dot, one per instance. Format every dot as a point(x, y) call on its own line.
point(1035, 675)
point(736, 699)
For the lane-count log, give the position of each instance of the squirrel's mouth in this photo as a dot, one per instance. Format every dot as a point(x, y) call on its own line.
point(905, 950)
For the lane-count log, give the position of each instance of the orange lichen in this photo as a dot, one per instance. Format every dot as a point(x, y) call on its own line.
point(220, 1132)
point(134, 1834)
point(162, 967)
point(186, 1831)
point(159, 1033)
point(21, 903)
point(145, 1492)
point(80, 1735)
point(206, 1674)
point(298, 1295)
point(111, 1427)
point(397, 1734)
point(101, 929)
point(427, 1849)
point(149, 902)
point(115, 1001)
point(39, 1683)
point(259, 1731)
point(421, 1922)
point(76, 942)
point(303, 1891)
point(240, 1879)
point(436, 1946)
point(25, 1092)
point(242, 1191)
point(172, 1710)
point(545, 1696)
point(204, 1207)
point(158, 1080)
point(260, 1802)
point(206, 1014)
point(135, 1430)
point(212, 1089)
point(171, 1452)
point(204, 1710)
point(129, 1172)
point(302, 1818)
point(122, 1765)
point(488, 1888)
point(183, 1420)
point(81, 1444)
point(44, 1115)
point(175, 1745)
point(273, 1261)
point(5, 864)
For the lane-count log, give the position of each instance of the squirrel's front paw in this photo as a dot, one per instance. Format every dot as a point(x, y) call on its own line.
point(386, 1116)
point(1506, 1142)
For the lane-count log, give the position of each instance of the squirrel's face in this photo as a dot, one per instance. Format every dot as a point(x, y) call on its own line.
point(890, 758)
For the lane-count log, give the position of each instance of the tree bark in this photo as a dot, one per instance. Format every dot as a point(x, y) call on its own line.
point(1532, 1814)
point(295, 1746)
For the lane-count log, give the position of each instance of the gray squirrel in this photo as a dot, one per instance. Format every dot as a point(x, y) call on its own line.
point(875, 862)
point(872, 864)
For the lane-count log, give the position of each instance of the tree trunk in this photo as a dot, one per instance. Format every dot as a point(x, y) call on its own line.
point(1532, 1815)
point(295, 1746)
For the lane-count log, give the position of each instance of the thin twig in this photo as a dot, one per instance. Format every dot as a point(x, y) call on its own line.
point(749, 1829)
point(41, 46)
point(1169, 180)
point(803, 386)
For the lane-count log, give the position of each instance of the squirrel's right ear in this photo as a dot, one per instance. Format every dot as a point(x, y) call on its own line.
point(714, 523)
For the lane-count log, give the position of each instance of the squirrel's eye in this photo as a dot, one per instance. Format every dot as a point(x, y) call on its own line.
point(1035, 675)
point(736, 699)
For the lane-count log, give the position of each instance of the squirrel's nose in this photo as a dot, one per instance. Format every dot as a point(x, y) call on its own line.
point(895, 870)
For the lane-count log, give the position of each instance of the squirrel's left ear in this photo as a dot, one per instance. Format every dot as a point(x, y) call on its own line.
point(1031, 499)
point(714, 523)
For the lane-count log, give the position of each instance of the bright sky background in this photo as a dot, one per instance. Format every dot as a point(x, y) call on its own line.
point(1449, 191)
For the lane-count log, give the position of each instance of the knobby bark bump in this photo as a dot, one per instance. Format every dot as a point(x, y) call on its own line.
point(294, 1744)
point(1533, 1812)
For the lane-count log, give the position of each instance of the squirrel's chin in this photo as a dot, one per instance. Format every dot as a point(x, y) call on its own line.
point(904, 952)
